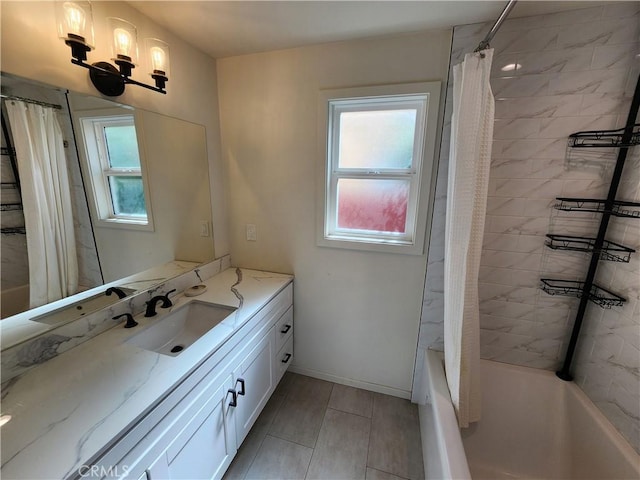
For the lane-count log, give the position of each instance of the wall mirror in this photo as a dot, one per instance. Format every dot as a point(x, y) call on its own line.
point(139, 196)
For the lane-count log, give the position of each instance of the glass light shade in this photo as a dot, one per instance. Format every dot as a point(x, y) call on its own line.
point(124, 41)
point(158, 52)
point(75, 22)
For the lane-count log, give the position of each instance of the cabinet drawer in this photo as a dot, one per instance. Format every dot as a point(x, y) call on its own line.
point(284, 328)
point(284, 358)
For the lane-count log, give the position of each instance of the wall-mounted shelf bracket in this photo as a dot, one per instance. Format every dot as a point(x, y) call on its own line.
point(611, 251)
point(570, 288)
point(604, 138)
point(619, 208)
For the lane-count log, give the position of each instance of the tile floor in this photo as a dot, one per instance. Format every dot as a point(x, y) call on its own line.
point(312, 429)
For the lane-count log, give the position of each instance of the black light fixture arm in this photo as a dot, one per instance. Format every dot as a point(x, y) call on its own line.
point(100, 70)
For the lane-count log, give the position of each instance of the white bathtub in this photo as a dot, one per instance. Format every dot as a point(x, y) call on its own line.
point(533, 425)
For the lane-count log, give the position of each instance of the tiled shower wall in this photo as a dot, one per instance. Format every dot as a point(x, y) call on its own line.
point(576, 71)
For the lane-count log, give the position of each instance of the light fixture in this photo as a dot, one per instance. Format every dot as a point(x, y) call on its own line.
point(4, 419)
point(75, 26)
point(510, 67)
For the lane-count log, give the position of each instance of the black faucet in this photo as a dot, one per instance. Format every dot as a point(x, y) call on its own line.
point(151, 304)
point(115, 290)
point(130, 321)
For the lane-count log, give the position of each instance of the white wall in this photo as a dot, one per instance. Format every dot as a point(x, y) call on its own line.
point(30, 48)
point(356, 313)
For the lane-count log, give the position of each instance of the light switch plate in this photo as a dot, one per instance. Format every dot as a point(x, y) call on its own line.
point(251, 232)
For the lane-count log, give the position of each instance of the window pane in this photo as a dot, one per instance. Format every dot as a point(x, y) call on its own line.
point(122, 146)
point(127, 195)
point(374, 205)
point(377, 139)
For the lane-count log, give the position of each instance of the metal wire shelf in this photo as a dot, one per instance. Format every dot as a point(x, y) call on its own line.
point(7, 207)
point(13, 231)
point(610, 251)
point(570, 288)
point(619, 209)
point(604, 138)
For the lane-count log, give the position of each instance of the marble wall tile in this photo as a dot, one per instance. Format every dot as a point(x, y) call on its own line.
point(610, 31)
point(593, 81)
point(614, 56)
point(514, 86)
point(541, 106)
point(621, 10)
point(517, 225)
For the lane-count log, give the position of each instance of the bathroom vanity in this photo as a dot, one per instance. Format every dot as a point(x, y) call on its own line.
point(113, 408)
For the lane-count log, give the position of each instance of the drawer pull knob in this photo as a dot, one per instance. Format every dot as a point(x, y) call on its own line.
point(286, 358)
point(285, 329)
point(234, 400)
point(241, 382)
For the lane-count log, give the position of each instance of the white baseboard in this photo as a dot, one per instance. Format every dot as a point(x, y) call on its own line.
point(373, 387)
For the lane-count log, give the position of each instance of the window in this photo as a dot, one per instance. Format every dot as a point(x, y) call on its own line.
point(115, 166)
point(378, 155)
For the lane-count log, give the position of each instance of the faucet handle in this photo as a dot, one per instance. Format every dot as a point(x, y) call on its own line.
point(115, 290)
point(167, 302)
point(130, 321)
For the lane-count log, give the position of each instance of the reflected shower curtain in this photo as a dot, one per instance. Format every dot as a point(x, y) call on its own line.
point(469, 162)
point(46, 199)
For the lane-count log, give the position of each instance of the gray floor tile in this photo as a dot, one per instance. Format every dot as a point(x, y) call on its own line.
point(265, 420)
point(341, 449)
point(249, 448)
point(300, 417)
point(280, 459)
point(245, 456)
point(351, 400)
point(395, 446)
point(285, 382)
point(373, 474)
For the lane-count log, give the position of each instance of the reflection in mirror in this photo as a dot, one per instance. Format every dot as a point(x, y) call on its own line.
point(169, 218)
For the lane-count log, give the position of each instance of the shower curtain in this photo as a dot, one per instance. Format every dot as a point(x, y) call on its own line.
point(46, 199)
point(469, 161)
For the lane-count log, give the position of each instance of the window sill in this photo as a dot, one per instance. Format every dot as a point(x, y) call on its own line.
point(366, 245)
point(128, 224)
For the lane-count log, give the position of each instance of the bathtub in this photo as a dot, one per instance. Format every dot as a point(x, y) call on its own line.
point(533, 425)
point(14, 300)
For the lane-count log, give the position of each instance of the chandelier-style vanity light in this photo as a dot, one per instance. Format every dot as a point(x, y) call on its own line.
point(75, 26)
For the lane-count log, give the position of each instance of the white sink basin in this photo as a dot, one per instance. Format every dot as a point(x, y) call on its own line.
point(173, 333)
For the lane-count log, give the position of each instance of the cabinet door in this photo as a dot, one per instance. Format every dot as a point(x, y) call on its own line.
point(205, 448)
point(254, 382)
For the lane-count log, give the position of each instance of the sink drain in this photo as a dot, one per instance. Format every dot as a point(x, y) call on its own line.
point(177, 348)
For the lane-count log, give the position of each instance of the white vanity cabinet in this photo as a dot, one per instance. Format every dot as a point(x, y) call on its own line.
point(196, 429)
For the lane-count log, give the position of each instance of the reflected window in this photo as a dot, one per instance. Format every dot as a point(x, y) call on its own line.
point(116, 169)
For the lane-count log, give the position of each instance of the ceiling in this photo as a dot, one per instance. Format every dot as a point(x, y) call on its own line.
point(228, 28)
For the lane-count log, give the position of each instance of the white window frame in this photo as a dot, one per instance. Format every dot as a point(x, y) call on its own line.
point(425, 98)
point(98, 169)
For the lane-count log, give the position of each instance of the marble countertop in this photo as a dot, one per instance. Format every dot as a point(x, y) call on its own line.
point(66, 410)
